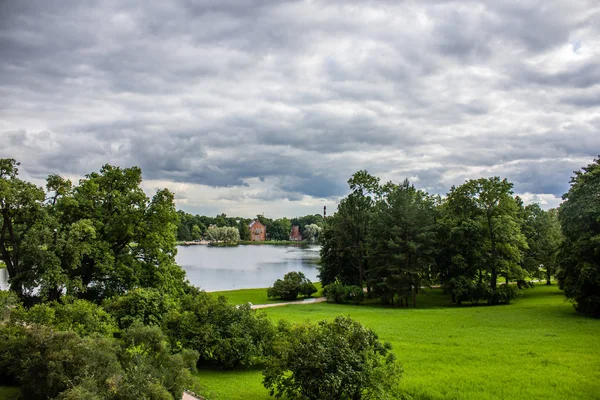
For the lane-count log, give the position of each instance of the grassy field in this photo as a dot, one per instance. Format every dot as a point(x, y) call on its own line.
point(537, 348)
point(256, 296)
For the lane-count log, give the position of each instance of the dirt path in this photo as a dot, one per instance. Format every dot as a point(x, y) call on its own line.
point(305, 301)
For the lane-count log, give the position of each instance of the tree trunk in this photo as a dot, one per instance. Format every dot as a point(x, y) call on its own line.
point(548, 277)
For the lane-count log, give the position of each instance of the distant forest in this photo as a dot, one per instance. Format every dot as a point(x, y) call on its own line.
point(194, 227)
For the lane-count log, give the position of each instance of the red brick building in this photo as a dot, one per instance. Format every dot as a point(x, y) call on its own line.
point(295, 234)
point(258, 232)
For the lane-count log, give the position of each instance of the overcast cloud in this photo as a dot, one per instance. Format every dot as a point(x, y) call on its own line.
point(247, 107)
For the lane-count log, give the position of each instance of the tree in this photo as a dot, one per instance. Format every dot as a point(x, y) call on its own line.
point(344, 240)
point(542, 232)
point(401, 242)
point(223, 234)
point(94, 240)
point(279, 229)
point(293, 283)
point(23, 217)
point(579, 259)
point(311, 233)
point(336, 360)
point(485, 239)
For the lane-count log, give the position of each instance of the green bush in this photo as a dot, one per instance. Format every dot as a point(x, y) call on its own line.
point(79, 316)
point(223, 334)
point(339, 293)
point(337, 359)
point(293, 283)
point(148, 306)
point(47, 363)
point(506, 293)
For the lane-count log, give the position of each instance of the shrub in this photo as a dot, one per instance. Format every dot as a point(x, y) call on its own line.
point(505, 294)
point(148, 306)
point(293, 283)
point(79, 316)
point(339, 293)
point(221, 333)
point(337, 359)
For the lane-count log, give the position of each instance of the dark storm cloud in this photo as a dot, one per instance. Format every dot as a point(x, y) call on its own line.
point(294, 96)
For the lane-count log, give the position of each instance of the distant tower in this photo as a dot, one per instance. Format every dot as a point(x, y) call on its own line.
point(324, 212)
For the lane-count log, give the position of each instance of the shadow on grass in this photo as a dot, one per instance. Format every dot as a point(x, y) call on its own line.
point(436, 299)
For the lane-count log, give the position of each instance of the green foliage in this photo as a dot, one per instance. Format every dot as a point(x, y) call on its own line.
point(340, 293)
point(95, 240)
point(311, 233)
point(344, 239)
point(22, 225)
point(293, 283)
point(401, 242)
point(223, 234)
point(47, 363)
point(79, 316)
point(337, 359)
point(542, 232)
point(481, 235)
point(579, 214)
point(223, 334)
point(147, 306)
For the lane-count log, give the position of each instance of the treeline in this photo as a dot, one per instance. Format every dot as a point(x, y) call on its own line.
point(195, 227)
point(394, 239)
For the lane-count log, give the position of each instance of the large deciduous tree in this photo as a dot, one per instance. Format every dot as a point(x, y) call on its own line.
point(485, 234)
point(23, 232)
point(100, 238)
point(579, 214)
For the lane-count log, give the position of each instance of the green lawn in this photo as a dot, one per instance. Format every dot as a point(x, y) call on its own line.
point(9, 393)
point(256, 296)
point(537, 348)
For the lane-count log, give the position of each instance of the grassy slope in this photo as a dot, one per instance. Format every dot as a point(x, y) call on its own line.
point(256, 296)
point(537, 348)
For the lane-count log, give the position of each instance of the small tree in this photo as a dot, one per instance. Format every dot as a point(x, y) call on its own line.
point(293, 283)
point(335, 360)
point(312, 233)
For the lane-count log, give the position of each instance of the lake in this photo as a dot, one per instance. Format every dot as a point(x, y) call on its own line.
point(245, 266)
point(239, 267)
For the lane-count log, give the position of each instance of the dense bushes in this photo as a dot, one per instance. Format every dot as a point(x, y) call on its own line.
point(337, 359)
point(293, 283)
point(47, 363)
point(339, 293)
point(223, 334)
point(467, 290)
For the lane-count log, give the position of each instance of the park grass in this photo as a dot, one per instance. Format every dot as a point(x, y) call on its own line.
point(256, 296)
point(536, 348)
point(9, 393)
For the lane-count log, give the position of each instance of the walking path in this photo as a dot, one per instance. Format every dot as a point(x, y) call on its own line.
point(305, 301)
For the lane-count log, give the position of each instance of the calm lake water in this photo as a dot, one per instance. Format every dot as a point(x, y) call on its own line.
point(245, 266)
point(240, 267)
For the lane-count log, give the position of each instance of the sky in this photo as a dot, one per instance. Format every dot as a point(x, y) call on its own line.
point(248, 107)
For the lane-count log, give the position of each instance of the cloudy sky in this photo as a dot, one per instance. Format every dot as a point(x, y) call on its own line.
point(247, 107)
